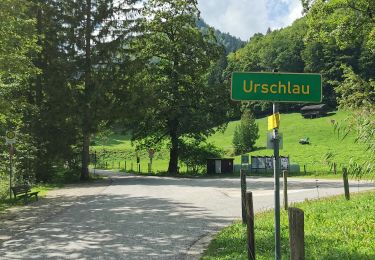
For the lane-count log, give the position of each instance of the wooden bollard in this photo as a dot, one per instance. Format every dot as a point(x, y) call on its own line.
point(334, 168)
point(296, 234)
point(250, 226)
point(346, 183)
point(243, 195)
point(285, 186)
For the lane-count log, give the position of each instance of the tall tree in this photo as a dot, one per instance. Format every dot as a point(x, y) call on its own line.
point(348, 26)
point(85, 46)
point(177, 100)
point(18, 42)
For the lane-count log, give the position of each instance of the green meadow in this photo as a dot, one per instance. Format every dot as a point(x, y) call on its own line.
point(116, 149)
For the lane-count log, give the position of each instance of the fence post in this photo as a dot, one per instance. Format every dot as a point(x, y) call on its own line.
point(250, 226)
point(296, 234)
point(334, 168)
point(346, 183)
point(243, 195)
point(285, 186)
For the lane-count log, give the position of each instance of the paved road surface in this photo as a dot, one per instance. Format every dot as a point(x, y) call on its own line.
point(149, 217)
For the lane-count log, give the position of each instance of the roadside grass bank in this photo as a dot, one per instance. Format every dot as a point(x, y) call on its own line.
point(334, 229)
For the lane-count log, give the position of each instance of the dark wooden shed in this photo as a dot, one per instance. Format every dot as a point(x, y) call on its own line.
point(220, 165)
point(314, 111)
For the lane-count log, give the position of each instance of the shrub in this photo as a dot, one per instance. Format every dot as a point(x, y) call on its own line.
point(245, 134)
point(195, 154)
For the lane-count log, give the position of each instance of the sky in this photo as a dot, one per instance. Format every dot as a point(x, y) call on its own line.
point(243, 18)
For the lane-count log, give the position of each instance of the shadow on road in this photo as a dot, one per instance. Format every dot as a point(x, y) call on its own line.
point(113, 227)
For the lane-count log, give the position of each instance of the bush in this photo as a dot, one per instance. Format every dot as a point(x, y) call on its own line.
point(245, 134)
point(195, 154)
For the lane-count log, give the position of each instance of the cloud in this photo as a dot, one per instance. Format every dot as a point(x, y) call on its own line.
point(243, 18)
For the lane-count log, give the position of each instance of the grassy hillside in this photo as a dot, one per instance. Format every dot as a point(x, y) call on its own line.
point(293, 126)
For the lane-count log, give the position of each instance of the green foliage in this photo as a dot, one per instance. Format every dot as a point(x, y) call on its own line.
point(246, 134)
point(229, 42)
point(345, 28)
point(355, 92)
point(17, 42)
point(334, 229)
point(176, 98)
point(195, 154)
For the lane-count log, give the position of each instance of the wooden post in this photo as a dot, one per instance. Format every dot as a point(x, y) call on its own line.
point(304, 168)
point(346, 183)
point(296, 234)
point(139, 168)
point(106, 165)
point(125, 166)
point(285, 186)
point(334, 168)
point(243, 195)
point(250, 226)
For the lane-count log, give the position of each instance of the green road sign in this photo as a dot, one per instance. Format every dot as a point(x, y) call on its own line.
point(277, 87)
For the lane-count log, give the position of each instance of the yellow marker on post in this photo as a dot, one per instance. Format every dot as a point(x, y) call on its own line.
point(274, 121)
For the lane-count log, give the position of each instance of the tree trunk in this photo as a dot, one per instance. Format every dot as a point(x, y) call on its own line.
point(85, 156)
point(39, 62)
point(173, 152)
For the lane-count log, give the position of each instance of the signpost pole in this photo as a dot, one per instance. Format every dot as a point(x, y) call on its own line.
point(276, 171)
point(10, 169)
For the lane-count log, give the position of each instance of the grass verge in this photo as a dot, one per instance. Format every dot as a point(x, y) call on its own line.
point(334, 229)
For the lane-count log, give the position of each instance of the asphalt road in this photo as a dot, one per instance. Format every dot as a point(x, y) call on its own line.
point(151, 218)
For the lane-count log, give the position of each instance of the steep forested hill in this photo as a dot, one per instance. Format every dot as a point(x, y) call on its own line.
point(230, 42)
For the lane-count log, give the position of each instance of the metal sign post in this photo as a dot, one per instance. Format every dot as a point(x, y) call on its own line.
point(10, 169)
point(276, 171)
point(10, 138)
point(151, 153)
point(276, 87)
